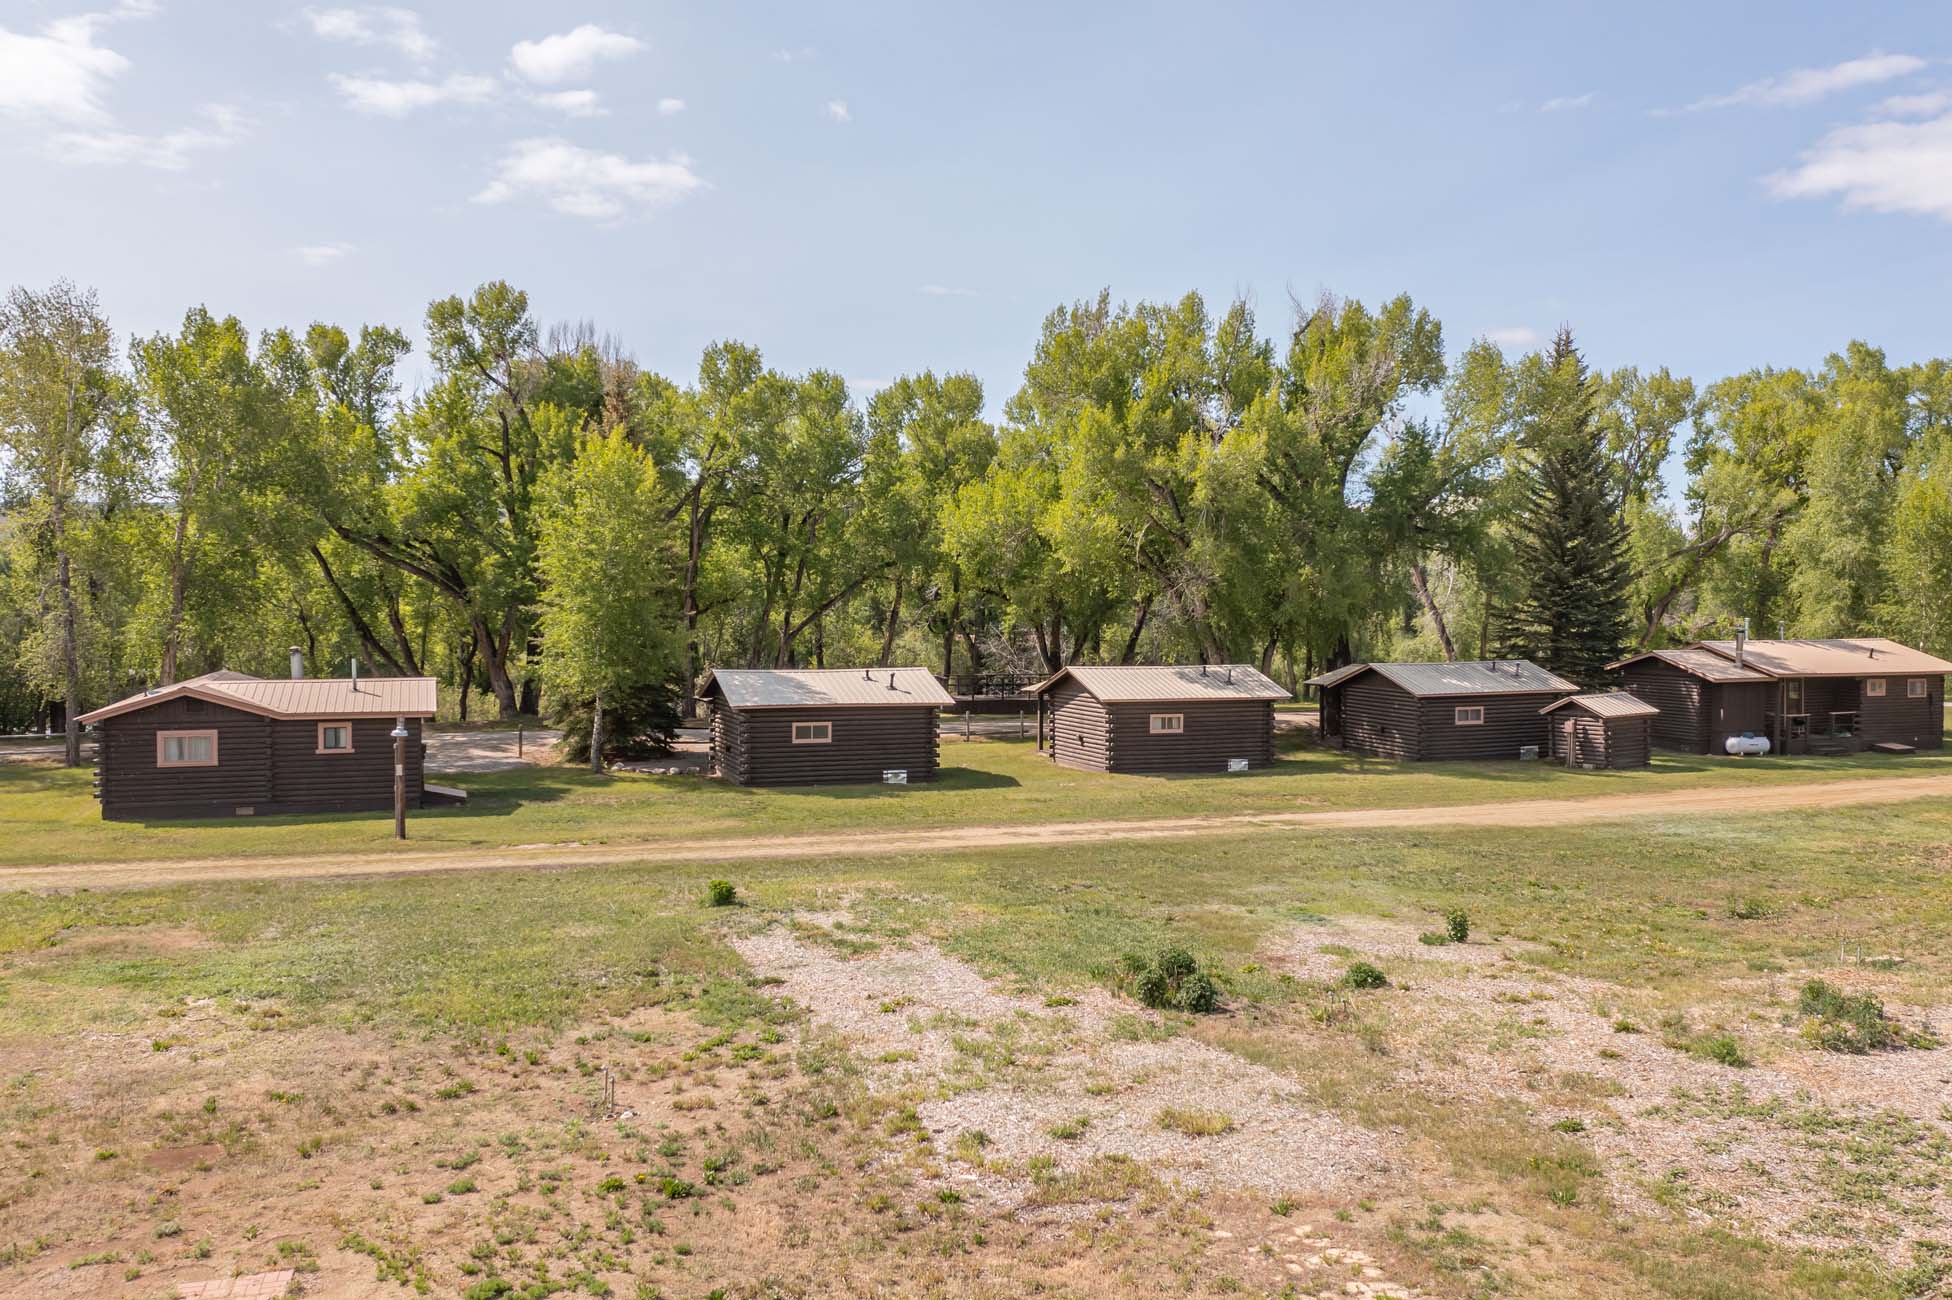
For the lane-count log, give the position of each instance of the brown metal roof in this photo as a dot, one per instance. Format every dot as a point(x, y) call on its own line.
point(1334, 675)
point(1864, 656)
point(1705, 664)
point(305, 697)
point(1610, 704)
point(792, 688)
point(1137, 683)
point(1468, 677)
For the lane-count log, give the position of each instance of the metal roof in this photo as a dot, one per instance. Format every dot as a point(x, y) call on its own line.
point(1335, 675)
point(1469, 677)
point(1137, 683)
point(792, 688)
point(1863, 656)
point(304, 697)
point(1609, 704)
point(1705, 664)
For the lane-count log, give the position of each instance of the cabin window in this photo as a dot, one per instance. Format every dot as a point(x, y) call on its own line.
point(813, 733)
point(1874, 687)
point(1168, 724)
point(1916, 689)
point(186, 749)
point(335, 738)
point(1470, 715)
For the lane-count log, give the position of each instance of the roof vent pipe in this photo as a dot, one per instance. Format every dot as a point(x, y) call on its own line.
point(297, 663)
point(1230, 674)
point(355, 674)
point(891, 681)
point(1742, 644)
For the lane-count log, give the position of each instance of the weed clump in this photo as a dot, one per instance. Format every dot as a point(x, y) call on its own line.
point(1194, 1122)
point(1835, 1021)
point(1457, 925)
point(1714, 1045)
point(1362, 975)
point(721, 893)
point(1171, 980)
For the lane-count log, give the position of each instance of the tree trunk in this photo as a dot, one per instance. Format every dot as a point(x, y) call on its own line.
point(70, 650)
point(467, 675)
point(179, 581)
point(1138, 629)
point(596, 735)
point(369, 640)
point(1421, 581)
point(893, 625)
point(495, 659)
point(400, 637)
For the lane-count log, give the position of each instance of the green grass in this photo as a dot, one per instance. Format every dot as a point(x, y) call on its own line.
point(49, 815)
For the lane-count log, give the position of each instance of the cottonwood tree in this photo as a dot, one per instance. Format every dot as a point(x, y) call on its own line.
point(606, 557)
point(59, 400)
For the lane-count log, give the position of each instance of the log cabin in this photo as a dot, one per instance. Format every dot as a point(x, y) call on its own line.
point(1611, 729)
point(228, 744)
point(1487, 708)
point(1158, 720)
point(825, 726)
point(1822, 696)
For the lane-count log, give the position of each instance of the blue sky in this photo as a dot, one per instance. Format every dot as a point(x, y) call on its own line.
point(875, 190)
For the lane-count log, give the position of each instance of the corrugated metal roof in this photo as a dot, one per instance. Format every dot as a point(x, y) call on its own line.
point(1705, 664)
point(1468, 677)
point(1611, 704)
point(305, 697)
point(1137, 683)
point(1342, 674)
point(1863, 656)
point(788, 688)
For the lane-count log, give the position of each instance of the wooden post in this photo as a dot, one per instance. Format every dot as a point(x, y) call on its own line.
point(965, 722)
point(400, 779)
point(1020, 724)
point(518, 740)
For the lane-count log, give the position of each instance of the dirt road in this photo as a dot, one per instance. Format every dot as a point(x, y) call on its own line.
point(854, 844)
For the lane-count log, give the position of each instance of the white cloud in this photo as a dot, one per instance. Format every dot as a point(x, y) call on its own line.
point(1929, 104)
point(385, 98)
point(669, 107)
point(581, 182)
point(802, 55)
point(570, 103)
point(1806, 84)
point(397, 29)
point(1566, 103)
point(223, 126)
point(60, 74)
point(944, 291)
point(837, 109)
point(1880, 166)
point(1513, 336)
point(570, 56)
point(321, 254)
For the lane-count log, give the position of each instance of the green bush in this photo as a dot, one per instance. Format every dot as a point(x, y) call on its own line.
point(721, 893)
point(1457, 925)
point(1171, 980)
point(1835, 1021)
point(1362, 975)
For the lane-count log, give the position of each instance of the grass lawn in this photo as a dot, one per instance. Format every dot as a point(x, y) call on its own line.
point(356, 1040)
point(49, 815)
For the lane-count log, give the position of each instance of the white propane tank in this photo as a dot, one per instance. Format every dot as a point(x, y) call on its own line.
point(1746, 744)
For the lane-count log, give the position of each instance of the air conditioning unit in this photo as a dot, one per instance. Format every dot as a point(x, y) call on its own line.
point(1236, 765)
point(895, 776)
point(1528, 752)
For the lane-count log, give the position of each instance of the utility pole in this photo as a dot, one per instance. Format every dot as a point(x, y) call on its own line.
point(399, 778)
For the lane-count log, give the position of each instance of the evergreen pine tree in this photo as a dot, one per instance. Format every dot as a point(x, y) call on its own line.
point(1570, 535)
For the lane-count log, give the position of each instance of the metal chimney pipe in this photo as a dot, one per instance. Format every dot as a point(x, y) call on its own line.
point(297, 663)
point(891, 681)
point(355, 674)
point(1742, 644)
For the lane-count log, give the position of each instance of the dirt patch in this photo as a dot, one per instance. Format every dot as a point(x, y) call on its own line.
point(177, 1160)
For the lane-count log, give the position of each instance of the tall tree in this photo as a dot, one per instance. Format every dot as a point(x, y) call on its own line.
point(1570, 538)
point(606, 560)
point(57, 398)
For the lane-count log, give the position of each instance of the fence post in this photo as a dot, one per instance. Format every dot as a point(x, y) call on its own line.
point(518, 740)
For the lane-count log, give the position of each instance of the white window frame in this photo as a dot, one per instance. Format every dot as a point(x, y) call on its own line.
point(162, 748)
point(1468, 715)
point(1168, 724)
point(324, 748)
point(1874, 688)
point(1918, 688)
point(804, 733)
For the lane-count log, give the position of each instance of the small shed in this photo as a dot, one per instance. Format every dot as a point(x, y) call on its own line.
point(231, 745)
point(825, 726)
point(1159, 719)
point(1486, 708)
point(1607, 730)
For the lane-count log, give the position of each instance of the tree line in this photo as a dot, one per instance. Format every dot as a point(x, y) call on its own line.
point(545, 522)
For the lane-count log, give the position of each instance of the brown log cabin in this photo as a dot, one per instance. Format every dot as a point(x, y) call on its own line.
point(231, 745)
point(1158, 720)
point(1431, 712)
point(825, 726)
point(1829, 696)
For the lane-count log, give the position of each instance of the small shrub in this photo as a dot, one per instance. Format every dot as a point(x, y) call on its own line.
point(1835, 1021)
point(1072, 1129)
point(1362, 975)
point(169, 1228)
point(1171, 980)
point(460, 1187)
point(721, 893)
point(1750, 909)
point(1434, 939)
point(1570, 1124)
point(1457, 925)
point(1194, 1122)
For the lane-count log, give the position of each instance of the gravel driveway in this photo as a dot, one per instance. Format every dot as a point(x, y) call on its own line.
point(486, 751)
